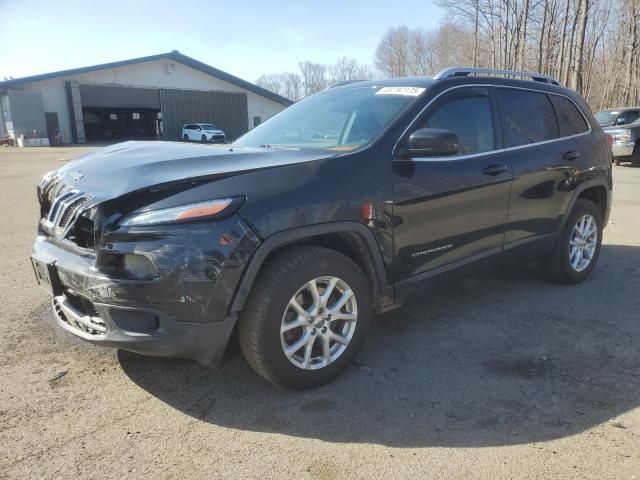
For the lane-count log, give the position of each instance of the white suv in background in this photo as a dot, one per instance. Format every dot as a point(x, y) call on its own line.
point(202, 132)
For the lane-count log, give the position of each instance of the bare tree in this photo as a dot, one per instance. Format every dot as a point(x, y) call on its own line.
point(287, 84)
point(631, 22)
point(392, 54)
point(314, 77)
point(348, 69)
point(590, 45)
point(582, 17)
point(417, 52)
point(292, 86)
point(271, 82)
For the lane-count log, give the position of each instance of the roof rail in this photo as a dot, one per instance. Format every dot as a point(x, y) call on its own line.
point(344, 82)
point(465, 72)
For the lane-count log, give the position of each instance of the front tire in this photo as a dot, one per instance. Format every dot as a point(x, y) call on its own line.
point(185, 137)
point(203, 139)
point(306, 317)
point(578, 247)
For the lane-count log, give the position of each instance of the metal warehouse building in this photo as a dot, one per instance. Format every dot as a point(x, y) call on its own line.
point(149, 97)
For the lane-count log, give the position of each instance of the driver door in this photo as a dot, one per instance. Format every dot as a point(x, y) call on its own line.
point(451, 209)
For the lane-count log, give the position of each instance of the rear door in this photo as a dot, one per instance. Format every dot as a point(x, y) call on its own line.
point(545, 156)
point(447, 209)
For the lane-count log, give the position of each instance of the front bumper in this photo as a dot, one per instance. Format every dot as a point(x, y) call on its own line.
point(216, 138)
point(622, 149)
point(116, 327)
point(183, 312)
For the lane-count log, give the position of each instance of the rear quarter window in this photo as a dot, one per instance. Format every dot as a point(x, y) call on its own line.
point(570, 120)
point(527, 117)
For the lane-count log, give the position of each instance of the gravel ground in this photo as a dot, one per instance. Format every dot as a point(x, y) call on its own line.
point(499, 376)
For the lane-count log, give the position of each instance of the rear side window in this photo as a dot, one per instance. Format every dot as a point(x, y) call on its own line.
point(527, 117)
point(469, 117)
point(570, 120)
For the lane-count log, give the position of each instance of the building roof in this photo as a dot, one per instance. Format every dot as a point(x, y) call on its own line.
point(173, 55)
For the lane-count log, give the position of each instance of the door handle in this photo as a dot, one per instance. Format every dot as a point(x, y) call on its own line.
point(494, 170)
point(571, 155)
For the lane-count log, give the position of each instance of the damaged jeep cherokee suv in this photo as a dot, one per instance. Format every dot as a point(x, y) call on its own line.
point(345, 204)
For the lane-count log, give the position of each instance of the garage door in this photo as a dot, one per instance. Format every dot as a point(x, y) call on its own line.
point(223, 109)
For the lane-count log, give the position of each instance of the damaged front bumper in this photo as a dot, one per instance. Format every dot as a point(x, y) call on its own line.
point(182, 311)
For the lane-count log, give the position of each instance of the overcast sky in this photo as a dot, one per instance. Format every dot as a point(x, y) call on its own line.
point(244, 37)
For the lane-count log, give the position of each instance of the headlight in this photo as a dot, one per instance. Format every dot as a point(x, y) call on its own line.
point(192, 211)
point(621, 136)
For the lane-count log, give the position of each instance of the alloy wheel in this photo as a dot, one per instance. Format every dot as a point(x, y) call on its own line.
point(318, 323)
point(583, 243)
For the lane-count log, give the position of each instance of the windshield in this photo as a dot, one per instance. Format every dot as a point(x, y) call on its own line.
point(606, 117)
point(208, 126)
point(340, 119)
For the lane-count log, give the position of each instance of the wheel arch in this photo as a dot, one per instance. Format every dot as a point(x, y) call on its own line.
point(350, 238)
point(598, 195)
point(596, 191)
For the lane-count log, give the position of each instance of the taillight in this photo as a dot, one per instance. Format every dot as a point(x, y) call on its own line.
point(366, 211)
point(609, 139)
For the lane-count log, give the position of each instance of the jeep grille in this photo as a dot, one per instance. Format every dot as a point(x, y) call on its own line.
point(61, 205)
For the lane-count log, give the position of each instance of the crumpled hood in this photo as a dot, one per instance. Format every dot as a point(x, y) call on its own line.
point(130, 166)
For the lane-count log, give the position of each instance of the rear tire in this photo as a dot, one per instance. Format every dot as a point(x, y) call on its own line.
point(266, 327)
point(185, 138)
point(577, 251)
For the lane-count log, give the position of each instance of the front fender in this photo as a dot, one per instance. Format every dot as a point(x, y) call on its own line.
point(385, 297)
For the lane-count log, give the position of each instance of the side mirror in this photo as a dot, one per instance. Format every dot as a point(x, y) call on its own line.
point(431, 142)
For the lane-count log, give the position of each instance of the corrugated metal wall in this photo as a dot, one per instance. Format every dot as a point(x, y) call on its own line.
point(224, 109)
point(26, 113)
point(4, 103)
point(118, 96)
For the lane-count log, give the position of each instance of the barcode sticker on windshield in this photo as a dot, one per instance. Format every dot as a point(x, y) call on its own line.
point(408, 91)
